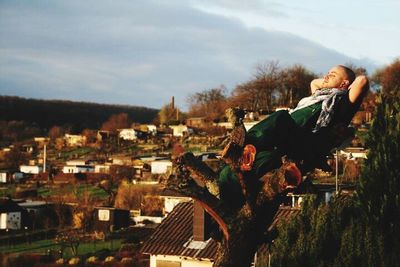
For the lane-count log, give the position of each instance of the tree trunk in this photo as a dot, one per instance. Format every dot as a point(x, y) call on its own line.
point(246, 229)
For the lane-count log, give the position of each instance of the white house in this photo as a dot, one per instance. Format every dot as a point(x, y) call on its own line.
point(35, 169)
point(179, 130)
point(354, 152)
point(160, 166)
point(128, 134)
point(78, 169)
point(151, 128)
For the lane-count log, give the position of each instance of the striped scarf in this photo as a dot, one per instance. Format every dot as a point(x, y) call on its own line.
point(329, 98)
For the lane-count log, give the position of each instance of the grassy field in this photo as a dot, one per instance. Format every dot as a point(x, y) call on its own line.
point(43, 246)
point(75, 153)
point(95, 192)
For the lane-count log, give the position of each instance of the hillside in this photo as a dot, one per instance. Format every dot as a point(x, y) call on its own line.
point(78, 115)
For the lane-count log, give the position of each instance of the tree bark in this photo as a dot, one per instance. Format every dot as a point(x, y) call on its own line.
point(245, 229)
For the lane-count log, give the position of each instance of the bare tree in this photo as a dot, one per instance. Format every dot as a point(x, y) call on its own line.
point(294, 84)
point(15, 157)
point(56, 132)
point(259, 92)
point(210, 103)
point(116, 121)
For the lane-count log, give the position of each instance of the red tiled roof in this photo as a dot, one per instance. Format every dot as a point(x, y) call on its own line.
point(176, 231)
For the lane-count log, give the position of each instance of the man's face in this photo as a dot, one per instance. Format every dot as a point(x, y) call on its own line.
point(336, 78)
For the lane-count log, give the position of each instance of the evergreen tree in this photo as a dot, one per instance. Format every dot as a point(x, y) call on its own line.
point(379, 190)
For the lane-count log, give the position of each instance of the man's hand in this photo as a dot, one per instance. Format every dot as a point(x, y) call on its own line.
point(316, 84)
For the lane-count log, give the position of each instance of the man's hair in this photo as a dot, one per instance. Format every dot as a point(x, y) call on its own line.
point(351, 76)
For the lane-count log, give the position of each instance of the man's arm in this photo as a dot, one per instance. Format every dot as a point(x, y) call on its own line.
point(358, 88)
point(316, 84)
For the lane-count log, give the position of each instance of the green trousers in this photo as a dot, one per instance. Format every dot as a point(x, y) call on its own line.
point(276, 136)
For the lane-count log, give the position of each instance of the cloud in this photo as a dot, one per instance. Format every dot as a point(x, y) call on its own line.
point(136, 52)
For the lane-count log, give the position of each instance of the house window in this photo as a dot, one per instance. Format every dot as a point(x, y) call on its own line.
point(104, 215)
point(161, 263)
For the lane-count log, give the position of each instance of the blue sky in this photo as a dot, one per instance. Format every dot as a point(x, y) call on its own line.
point(144, 52)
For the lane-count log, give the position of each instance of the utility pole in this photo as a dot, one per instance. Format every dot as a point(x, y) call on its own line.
point(44, 158)
point(337, 170)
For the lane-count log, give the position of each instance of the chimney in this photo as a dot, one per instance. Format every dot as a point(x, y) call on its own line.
point(173, 103)
point(201, 221)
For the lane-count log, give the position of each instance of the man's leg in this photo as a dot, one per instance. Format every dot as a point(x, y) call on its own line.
point(278, 131)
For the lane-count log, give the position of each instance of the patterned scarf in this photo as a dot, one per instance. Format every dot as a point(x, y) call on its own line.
point(329, 98)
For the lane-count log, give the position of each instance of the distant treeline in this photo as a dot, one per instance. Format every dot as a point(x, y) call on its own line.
point(77, 115)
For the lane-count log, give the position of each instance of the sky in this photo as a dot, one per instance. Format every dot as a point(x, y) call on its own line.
point(142, 53)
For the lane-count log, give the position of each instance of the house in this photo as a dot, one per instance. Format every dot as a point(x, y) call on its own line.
point(41, 214)
point(172, 199)
point(160, 166)
point(179, 130)
point(110, 219)
point(78, 168)
point(182, 239)
point(73, 140)
point(32, 169)
point(12, 216)
point(128, 134)
point(354, 152)
point(151, 129)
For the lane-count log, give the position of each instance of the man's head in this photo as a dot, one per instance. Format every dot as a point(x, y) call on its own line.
point(339, 77)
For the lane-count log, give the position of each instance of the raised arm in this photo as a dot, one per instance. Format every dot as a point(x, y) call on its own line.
point(316, 84)
point(358, 88)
